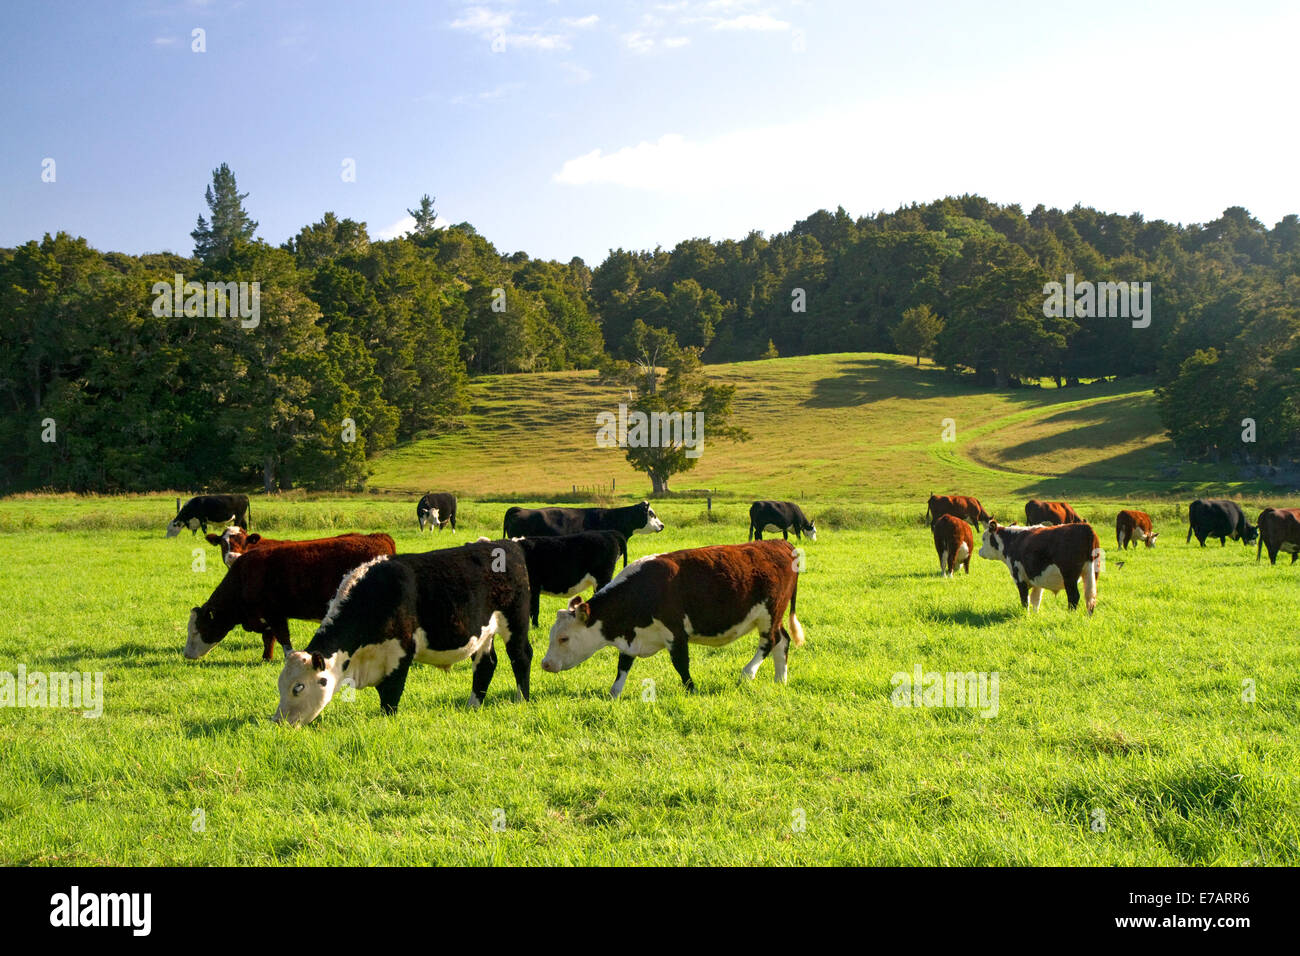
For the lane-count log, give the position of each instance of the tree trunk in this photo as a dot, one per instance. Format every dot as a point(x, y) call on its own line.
point(658, 482)
point(268, 474)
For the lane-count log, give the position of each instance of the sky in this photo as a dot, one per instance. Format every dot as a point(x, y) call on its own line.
point(571, 127)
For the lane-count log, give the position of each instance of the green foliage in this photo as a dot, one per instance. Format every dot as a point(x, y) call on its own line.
point(230, 223)
point(915, 334)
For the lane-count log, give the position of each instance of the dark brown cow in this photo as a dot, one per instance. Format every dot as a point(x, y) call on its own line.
point(1130, 526)
point(961, 506)
point(234, 541)
point(955, 543)
point(709, 595)
point(1279, 530)
point(1054, 558)
point(1050, 512)
point(269, 585)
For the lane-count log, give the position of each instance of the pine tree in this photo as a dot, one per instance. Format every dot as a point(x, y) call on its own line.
point(230, 222)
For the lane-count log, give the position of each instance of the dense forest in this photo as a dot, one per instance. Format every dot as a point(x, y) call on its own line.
point(359, 344)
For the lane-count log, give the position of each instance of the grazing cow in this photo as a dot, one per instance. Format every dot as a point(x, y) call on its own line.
point(1052, 557)
point(569, 564)
point(1279, 530)
point(437, 608)
point(269, 585)
point(710, 595)
point(219, 509)
point(1133, 525)
point(954, 541)
point(436, 509)
point(234, 541)
point(1217, 518)
point(549, 522)
point(783, 516)
point(961, 506)
point(1050, 512)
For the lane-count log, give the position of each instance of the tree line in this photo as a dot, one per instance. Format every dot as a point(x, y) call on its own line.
point(360, 344)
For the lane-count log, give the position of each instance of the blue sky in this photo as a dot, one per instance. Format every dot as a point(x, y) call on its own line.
point(567, 128)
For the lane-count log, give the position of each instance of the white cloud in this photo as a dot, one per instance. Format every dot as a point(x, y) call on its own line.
point(482, 20)
point(581, 23)
point(498, 92)
point(752, 21)
point(405, 225)
point(673, 43)
point(577, 73)
point(163, 41)
point(495, 26)
point(639, 42)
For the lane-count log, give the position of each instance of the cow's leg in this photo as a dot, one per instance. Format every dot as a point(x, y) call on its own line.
point(779, 652)
point(1024, 593)
point(452, 519)
point(758, 533)
point(519, 650)
point(1072, 593)
point(1294, 555)
point(765, 645)
point(943, 563)
point(534, 604)
point(1035, 598)
point(624, 665)
point(391, 687)
point(278, 631)
point(785, 533)
point(484, 665)
point(966, 564)
point(681, 657)
point(268, 643)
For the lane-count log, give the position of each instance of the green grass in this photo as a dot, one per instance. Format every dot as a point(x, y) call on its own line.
point(1136, 712)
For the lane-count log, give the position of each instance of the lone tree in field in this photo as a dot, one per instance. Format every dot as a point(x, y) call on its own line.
point(916, 334)
point(229, 220)
point(682, 388)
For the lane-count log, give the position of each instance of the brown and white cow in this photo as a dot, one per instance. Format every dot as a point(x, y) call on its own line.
point(1052, 557)
point(955, 543)
point(268, 586)
point(1132, 526)
point(961, 506)
point(1050, 512)
point(234, 541)
point(1279, 530)
point(709, 596)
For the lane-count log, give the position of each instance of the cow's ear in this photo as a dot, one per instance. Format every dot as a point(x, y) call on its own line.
point(252, 539)
point(575, 601)
point(317, 661)
point(582, 612)
point(213, 538)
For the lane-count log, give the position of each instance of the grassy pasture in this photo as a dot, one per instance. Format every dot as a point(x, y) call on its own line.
point(1136, 714)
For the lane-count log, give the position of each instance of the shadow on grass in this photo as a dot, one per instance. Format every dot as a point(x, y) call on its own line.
point(222, 725)
point(968, 618)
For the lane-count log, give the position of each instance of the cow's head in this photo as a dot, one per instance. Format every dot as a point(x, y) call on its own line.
point(992, 545)
point(1249, 535)
point(652, 522)
point(233, 542)
point(573, 637)
point(811, 530)
point(1150, 539)
point(307, 683)
point(202, 633)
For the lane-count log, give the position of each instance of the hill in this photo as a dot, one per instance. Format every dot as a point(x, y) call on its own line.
point(854, 426)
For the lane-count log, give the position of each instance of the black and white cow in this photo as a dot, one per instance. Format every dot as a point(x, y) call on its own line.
point(219, 509)
point(783, 516)
point(709, 596)
point(437, 608)
point(570, 563)
point(1218, 518)
point(436, 509)
point(549, 522)
point(1051, 557)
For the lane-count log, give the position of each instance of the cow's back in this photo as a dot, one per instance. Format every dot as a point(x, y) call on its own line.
point(298, 579)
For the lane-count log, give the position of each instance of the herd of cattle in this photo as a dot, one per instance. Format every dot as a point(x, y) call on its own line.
point(379, 611)
point(1056, 549)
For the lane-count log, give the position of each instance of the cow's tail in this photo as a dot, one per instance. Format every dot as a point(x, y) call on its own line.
point(622, 544)
point(796, 629)
point(248, 515)
point(1091, 575)
point(1259, 546)
point(1189, 527)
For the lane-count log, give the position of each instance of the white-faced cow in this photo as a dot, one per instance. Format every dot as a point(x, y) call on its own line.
point(709, 595)
point(1132, 527)
point(218, 509)
point(1052, 557)
point(1050, 512)
point(437, 608)
point(234, 541)
point(1279, 531)
point(269, 586)
point(1218, 518)
point(954, 541)
point(570, 563)
point(783, 516)
point(437, 510)
point(961, 506)
point(549, 522)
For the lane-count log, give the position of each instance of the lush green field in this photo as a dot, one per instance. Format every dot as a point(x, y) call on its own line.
point(1134, 719)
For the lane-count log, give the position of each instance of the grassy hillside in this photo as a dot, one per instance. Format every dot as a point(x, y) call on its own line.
point(855, 427)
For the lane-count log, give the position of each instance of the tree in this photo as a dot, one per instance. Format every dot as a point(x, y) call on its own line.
point(230, 222)
point(916, 333)
point(425, 218)
point(682, 392)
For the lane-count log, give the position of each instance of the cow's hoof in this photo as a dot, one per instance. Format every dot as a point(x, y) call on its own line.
point(474, 703)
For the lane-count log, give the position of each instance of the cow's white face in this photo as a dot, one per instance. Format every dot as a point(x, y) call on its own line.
point(573, 638)
point(1150, 539)
point(173, 528)
point(812, 530)
point(991, 546)
point(306, 688)
point(195, 645)
point(652, 523)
